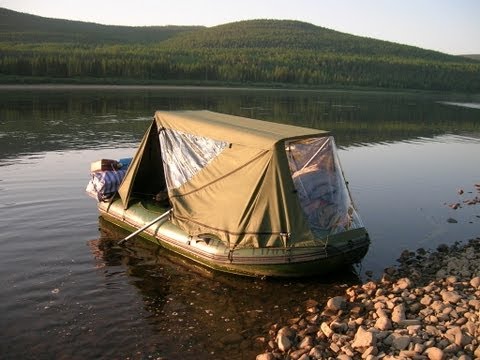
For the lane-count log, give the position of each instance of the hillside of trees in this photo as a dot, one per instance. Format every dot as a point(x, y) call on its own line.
point(254, 52)
point(18, 27)
point(473, 56)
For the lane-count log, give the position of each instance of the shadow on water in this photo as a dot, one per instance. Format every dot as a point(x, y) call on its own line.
point(206, 313)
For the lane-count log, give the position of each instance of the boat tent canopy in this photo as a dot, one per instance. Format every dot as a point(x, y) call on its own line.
point(250, 183)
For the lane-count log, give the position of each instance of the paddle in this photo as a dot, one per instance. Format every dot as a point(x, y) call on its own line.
point(145, 226)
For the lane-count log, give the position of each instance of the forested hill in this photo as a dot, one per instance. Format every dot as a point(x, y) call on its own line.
point(473, 56)
point(256, 53)
point(296, 35)
point(26, 28)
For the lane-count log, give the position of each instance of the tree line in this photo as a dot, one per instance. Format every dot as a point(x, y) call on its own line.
point(302, 67)
point(253, 52)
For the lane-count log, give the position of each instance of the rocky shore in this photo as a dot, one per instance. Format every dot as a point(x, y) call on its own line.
point(427, 307)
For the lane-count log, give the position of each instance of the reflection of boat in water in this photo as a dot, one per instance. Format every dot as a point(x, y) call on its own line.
point(186, 303)
point(244, 196)
point(108, 253)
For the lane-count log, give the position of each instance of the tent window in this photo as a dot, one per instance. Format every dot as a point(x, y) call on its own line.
point(184, 155)
point(320, 186)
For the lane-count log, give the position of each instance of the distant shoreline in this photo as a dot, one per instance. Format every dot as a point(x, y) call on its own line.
point(119, 87)
point(106, 87)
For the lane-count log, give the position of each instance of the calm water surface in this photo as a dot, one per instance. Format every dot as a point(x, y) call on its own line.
point(68, 292)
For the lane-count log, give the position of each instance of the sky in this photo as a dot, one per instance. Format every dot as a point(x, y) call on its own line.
point(450, 26)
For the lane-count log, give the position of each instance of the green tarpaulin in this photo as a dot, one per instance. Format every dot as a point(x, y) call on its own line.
point(238, 178)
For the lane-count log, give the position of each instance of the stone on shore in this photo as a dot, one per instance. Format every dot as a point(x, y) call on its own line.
point(285, 338)
point(265, 356)
point(336, 303)
point(363, 338)
point(426, 308)
point(398, 313)
point(326, 330)
point(401, 342)
point(404, 283)
point(383, 323)
point(475, 282)
point(434, 353)
point(450, 296)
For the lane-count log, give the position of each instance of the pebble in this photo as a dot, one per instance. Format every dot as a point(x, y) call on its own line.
point(383, 323)
point(427, 307)
point(363, 338)
point(450, 296)
point(398, 313)
point(231, 339)
point(404, 283)
point(401, 342)
point(434, 353)
point(326, 329)
point(336, 303)
point(475, 282)
point(265, 356)
point(285, 338)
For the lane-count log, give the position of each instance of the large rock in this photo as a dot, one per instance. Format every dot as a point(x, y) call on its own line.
point(426, 300)
point(306, 343)
point(298, 354)
point(404, 283)
point(401, 342)
point(459, 338)
point(475, 303)
point(363, 339)
point(326, 329)
point(230, 339)
point(434, 353)
point(316, 352)
point(475, 282)
point(338, 327)
point(383, 323)
point(398, 313)
point(370, 351)
point(450, 296)
point(285, 338)
point(265, 356)
point(337, 303)
point(284, 343)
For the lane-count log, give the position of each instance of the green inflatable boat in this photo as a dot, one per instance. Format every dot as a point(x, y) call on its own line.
point(235, 194)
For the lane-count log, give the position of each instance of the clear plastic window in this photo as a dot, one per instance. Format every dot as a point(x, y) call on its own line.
point(320, 186)
point(184, 155)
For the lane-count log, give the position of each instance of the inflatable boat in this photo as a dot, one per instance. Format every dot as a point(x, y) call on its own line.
point(235, 194)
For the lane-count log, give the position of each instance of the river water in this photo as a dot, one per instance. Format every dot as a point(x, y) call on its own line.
point(69, 292)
